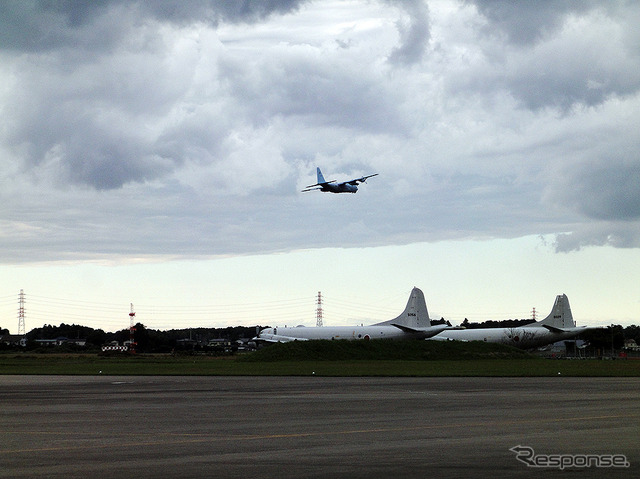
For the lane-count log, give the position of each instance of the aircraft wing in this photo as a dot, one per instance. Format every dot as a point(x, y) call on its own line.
point(318, 186)
point(358, 180)
point(272, 338)
point(428, 332)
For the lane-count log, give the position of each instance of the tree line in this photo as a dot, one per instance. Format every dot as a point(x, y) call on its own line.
point(147, 340)
point(157, 341)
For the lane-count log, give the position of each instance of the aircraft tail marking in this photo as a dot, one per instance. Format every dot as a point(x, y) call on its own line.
point(560, 317)
point(415, 314)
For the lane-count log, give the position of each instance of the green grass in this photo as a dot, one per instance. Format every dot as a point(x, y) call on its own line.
point(206, 366)
point(329, 358)
point(324, 350)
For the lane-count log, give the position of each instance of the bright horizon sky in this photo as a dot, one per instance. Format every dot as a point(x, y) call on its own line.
point(153, 153)
point(478, 280)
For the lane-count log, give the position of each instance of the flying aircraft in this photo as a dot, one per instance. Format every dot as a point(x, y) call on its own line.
point(350, 186)
point(559, 325)
point(413, 323)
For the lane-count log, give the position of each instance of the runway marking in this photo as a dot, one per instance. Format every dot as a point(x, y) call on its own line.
point(201, 438)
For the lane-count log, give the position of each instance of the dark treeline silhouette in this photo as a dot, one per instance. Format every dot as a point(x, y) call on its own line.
point(216, 339)
point(147, 340)
point(507, 323)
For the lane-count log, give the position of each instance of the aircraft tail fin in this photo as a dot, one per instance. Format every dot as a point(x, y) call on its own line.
point(560, 316)
point(320, 176)
point(415, 314)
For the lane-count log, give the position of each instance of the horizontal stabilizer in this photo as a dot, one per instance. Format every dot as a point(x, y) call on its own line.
point(427, 332)
point(406, 329)
point(553, 329)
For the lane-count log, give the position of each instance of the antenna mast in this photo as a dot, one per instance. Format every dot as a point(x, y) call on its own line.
point(132, 330)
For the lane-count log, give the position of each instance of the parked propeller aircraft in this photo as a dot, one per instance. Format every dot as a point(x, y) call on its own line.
point(350, 186)
point(559, 325)
point(413, 323)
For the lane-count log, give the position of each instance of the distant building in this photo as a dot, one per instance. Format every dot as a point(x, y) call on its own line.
point(61, 341)
point(220, 344)
point(13, 340)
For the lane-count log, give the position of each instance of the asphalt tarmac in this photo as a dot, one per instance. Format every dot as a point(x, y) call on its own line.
point(295, 427)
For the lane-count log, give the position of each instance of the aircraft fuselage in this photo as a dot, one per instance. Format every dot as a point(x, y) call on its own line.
point(302, 333)
point(523, 337)
point(340, 188)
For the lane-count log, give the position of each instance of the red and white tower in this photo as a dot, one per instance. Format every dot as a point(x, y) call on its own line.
point(132, 330)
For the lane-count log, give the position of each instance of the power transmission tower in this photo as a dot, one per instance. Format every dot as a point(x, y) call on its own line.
point(319, 310)
point(21, 328)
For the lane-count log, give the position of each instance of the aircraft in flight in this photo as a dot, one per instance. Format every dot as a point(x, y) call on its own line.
point(558, 326)
point(350, 186)
point(413, 323)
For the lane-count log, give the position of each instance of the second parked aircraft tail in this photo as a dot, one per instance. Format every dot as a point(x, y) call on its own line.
point(560, 317)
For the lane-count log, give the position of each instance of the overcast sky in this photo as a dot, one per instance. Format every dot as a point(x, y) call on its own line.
point(154, 153)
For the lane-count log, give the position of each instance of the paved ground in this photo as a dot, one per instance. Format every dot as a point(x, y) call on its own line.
point(153, 427)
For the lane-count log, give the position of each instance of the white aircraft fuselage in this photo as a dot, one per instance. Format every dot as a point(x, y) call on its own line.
point(558, 326)
point(413, 323)
point(302, 333)
point(520, 337)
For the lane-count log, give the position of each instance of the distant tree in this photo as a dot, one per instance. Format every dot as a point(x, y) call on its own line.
point(97, 337)
point(149, 340)
point(632, 332)
point(605, 339)
point(507, 323)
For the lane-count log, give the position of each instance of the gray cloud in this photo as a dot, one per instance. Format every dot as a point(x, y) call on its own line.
point(414, 35)
point(529, 22)
point(602, 191)
point(557, 56)
point(36, 25)
point(614, 234)
point(158, 134)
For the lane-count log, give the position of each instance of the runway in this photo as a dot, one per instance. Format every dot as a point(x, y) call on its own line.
point(293, 427)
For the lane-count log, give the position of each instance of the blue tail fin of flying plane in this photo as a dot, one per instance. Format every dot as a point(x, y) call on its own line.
point(320, 177)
